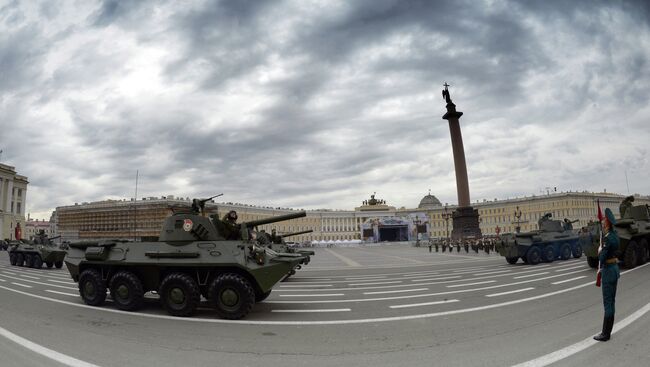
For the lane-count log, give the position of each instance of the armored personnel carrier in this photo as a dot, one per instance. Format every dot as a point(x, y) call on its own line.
point(195, 256)
point(277, 243)
point(633, 232)
point(37, 252)
point(555, 239)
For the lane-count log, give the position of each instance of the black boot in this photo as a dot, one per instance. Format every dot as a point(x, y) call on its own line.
point(608, 325)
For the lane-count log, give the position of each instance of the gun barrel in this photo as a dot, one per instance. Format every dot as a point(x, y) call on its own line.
point(55, 237)
point(296, 233)
point(278, 218)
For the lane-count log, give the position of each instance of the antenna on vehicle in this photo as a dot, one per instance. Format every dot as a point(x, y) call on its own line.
point(135, 207)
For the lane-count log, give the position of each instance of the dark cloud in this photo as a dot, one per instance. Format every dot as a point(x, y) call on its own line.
point(319, 104)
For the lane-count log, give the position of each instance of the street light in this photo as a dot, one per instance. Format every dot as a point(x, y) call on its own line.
point(446, 215)
point(417, 222)
point(518, 216)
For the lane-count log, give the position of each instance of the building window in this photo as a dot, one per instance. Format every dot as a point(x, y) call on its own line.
point(18, 207)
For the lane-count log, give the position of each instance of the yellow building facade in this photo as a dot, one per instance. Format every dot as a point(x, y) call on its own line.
point(143, 219)
point(13, 199)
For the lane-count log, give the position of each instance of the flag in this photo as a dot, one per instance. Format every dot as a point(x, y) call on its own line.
point(600, 219)
point(600, 213)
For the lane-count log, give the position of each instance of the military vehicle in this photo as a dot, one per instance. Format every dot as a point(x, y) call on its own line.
point(278, 244)
point(35, 253)
point(195, 256)
point(555, 239)
point(634, 234)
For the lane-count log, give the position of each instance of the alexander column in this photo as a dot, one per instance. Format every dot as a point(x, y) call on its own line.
point(465, 218)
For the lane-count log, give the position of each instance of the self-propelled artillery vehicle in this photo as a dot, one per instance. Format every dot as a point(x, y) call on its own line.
point(33, 254)
point(195, 256)
point(633, 232)
point(555, 239)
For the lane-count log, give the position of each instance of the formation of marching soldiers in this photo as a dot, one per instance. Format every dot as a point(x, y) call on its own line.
point(476, 245)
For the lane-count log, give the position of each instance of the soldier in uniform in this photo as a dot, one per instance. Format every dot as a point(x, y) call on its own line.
point(436, 244)
point(625, 205)
point(609, 272)
point(232, 229)
point(467, 247)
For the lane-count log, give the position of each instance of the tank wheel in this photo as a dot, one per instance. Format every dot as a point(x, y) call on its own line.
point(259, 297)
point(232, 296)
point(91, 287)
point(58, 264)
point(12, 258)
point(630, 256)
point(549, 253)
point(643, 252)
point(525, 259)
point(512, 260)
point(592, 261)
point(127, 291)
point(37, 262)
point(533, 255)
point(49, 264)
point(29, 261)
point(20, 259)
point(577, 252)
point(565, 252)
point(179, 294)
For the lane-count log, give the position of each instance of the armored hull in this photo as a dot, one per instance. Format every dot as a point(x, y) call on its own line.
point(551, 242)
point(634, 235)
point(34, 255)
point(192, 259)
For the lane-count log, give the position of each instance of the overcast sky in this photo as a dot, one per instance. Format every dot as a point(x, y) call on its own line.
point(318, 104)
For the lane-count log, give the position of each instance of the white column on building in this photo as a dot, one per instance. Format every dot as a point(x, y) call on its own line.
point(10, 198)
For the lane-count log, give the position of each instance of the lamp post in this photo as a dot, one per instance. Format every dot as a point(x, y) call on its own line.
point(517, 215)
point(417, 222)
point(446, 215)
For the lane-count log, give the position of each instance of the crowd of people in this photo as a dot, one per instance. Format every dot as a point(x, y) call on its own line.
point(486, 245)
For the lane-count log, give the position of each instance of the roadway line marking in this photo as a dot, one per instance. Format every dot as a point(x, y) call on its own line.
point(401, 291)
point(439, 278)
point(322, 310)
point(467, 284)
point(492, 272)
point(312, 295)
point(310, 323)
point(377, 283)
point(346, 260)
point(530, 275)
point(2, 280)
point(9, 272)
point(45, 352)
point(61, 281)
point(509, 292)
point(22, 285)
point(569, 280)
point(363, 277)
point(566, 352)
point(35, 282)
point(434, 294)
point(63, 293)
point(305, 285)
point(571, 268)
point(29, 276)
point(425, 304)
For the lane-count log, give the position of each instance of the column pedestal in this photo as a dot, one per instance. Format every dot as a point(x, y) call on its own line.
point(466, 223)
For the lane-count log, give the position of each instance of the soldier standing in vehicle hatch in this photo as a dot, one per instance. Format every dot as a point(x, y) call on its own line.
point(609, 272)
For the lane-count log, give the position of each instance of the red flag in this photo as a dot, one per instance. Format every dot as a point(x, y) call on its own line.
point(600, 213)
